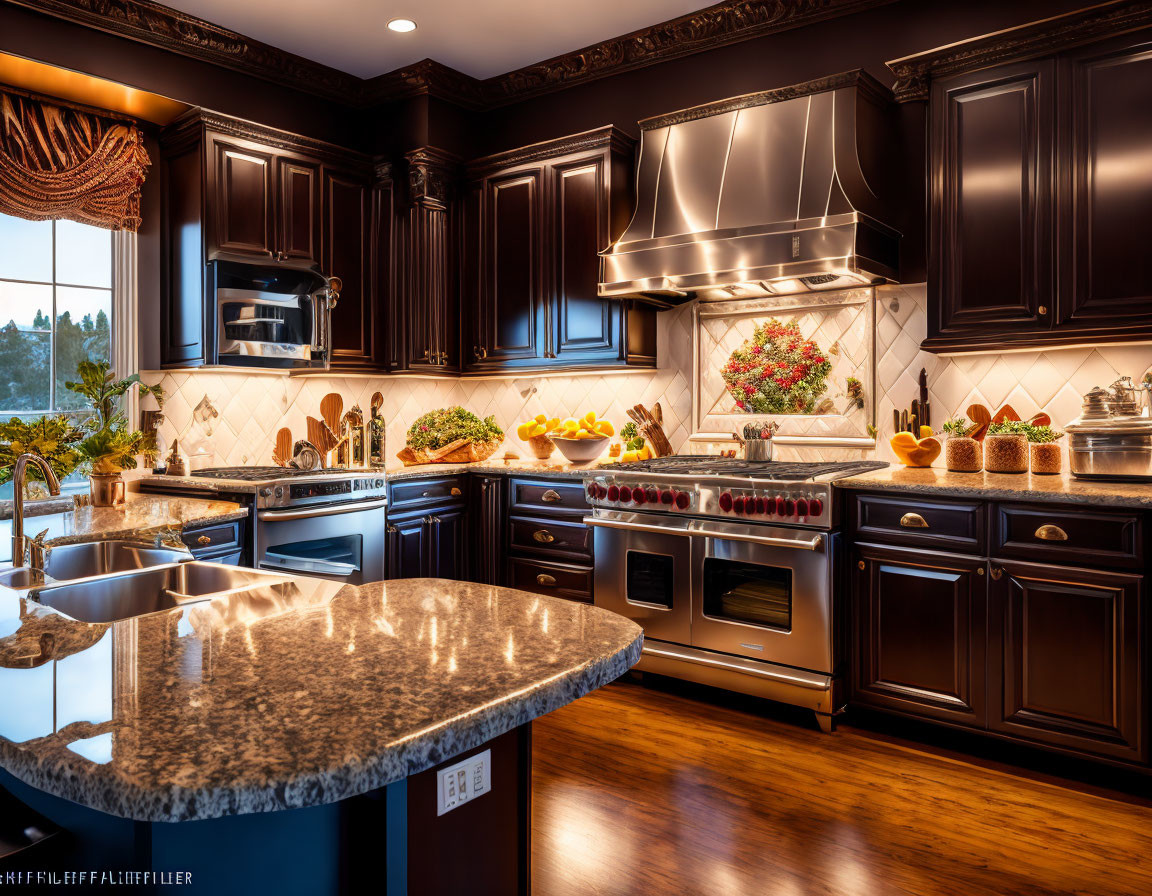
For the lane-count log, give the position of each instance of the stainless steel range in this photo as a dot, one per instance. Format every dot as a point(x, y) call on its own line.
point(730, 566)
point(326, 523)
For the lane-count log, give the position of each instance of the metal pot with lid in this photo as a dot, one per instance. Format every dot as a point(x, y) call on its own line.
point(1112, 437)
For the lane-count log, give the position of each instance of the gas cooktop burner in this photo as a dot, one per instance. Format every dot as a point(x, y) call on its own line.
point(260, 474)
point(711, 465)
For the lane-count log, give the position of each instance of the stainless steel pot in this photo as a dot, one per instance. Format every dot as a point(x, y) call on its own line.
point(1106, 445)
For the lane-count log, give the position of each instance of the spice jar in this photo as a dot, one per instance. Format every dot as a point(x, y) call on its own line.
point(1046, 457)
point(962, 455)
point(1006, 452)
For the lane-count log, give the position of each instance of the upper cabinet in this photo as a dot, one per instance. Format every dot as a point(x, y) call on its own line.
point(1039, 187)
point(535, 220)
point(233, 189)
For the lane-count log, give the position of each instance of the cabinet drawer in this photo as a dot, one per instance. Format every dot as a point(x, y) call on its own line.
point(1067, 535)
point(899, 519)
point(554, 579)
point(533, 496)
point(551, 537)
point(211, 539)
point(412, 493)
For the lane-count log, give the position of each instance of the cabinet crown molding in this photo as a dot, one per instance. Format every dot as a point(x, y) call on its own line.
point(609, 136)
point(1046, 37)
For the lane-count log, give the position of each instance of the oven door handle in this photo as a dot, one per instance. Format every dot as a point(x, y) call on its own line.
point(306, 564)
point(816, 543)
point(308, 513)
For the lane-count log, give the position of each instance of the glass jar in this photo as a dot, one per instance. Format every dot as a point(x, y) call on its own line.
point(963, 455)
point(1006, 452)
point(1046, 457)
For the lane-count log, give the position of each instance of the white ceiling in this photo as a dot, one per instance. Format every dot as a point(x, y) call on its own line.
point(478, 37)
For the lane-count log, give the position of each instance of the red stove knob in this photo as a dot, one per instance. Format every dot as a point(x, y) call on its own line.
point(749, 505)
point(769, 506)
point(762, 505)
point(726, 501)
point(682, 500)
point(815, 507)
point(613, 493)
point(591, 491)
point(789, 507)
point(667, 496)
point(653, 495)
point(738, 504)
point(601, 492)
point(781, 506)
point(638, 495)
point(802, 507)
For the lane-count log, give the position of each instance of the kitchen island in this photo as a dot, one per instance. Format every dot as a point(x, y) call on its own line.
point(287, 739)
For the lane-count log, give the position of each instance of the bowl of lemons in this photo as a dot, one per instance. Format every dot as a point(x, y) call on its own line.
point(535, 433)
point(582, 440)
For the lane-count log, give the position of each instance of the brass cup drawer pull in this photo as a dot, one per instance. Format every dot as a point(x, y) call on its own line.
point(913, 521)
point(550, 497)
point(204, 539)
point(545, 579)
point(456, 493)
point(1049, 532)
point(543, 536)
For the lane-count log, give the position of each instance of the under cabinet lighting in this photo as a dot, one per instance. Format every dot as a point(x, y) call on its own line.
point(402, 26)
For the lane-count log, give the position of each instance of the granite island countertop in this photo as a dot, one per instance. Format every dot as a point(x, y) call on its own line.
point(1058, 488)
point(140, 516)
point(294, 696)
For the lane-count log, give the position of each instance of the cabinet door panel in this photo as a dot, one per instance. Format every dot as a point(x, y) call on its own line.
point(298, 209)
point(1110, 95)
point(1065, 649)
point(512, 308)
point(448, 557)
point(920, 633)
point(344, 250)
point(407, 547)
point(243, 198)
point(183, 315)
point(586, 327)
point(991, 254)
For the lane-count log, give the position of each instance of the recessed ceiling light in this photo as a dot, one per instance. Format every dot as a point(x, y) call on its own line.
point(403, 26)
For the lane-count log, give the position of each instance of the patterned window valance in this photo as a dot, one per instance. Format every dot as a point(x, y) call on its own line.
point(60, 161)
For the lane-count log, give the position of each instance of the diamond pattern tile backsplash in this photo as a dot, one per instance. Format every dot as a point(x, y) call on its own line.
point(252, 407)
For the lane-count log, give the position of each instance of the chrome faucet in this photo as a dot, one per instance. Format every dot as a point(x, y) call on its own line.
point(20, 544)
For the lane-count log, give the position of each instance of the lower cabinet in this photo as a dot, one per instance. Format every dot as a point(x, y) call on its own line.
point(218, 543)
point(919, 629)
point(428, 544)
point(1064, 657)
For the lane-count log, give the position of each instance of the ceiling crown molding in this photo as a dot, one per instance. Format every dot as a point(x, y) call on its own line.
point(914, 74)
point(727, 22)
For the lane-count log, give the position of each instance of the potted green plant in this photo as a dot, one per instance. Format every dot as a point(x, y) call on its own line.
point(962, 453)
point(110, 446)
point(1044, 454)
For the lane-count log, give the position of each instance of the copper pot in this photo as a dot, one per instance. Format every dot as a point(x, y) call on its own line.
point(107, 489)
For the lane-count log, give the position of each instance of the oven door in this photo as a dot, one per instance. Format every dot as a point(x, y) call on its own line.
point(342, 542)
point(765, 593)
point(643, 572)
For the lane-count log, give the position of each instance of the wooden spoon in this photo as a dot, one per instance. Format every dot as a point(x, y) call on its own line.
point(320, 434)
point(282, 452)
point(332, 409)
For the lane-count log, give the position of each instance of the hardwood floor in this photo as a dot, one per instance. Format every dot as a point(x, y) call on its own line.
point(665, 789)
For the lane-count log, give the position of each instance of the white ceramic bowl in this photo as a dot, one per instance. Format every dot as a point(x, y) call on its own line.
point(581, 451)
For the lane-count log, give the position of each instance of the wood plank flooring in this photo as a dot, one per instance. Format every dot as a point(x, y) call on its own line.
point(661, 789)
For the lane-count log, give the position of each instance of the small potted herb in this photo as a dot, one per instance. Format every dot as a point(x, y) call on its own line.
point(962, 453)
point(1006, 447)
point(1045, 455)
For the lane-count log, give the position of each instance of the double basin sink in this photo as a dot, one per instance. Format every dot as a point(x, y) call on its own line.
point(106, 581)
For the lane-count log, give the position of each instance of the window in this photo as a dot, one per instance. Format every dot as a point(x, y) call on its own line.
point(55, 310)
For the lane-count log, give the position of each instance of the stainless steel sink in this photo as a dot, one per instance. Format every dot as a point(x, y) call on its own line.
point(139, 592)
point(21, 578)
point(65, 562)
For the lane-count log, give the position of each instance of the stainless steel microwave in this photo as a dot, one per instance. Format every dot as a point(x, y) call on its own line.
point(272, 315)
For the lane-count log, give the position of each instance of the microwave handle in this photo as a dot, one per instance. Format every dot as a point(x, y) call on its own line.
point(814, 544)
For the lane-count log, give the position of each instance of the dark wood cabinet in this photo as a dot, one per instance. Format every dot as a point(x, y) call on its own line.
point(487, 529)
point(298, 209)
point(240, 176)
point(919, 624)
point(344, 254)
point(534, 222)
point(448, 557)
point(1066, 653)
point(549, 547)
point(428, 527)
point(1039, 188)
point(407, 543)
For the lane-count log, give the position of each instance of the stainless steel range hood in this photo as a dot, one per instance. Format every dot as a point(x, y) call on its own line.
point(772, 193)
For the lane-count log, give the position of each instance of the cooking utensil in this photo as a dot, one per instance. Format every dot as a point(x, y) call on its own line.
point(320, 434)
point(282, 452)
point(925, 418)
point(331, 409)
point(1105, 445)
point(305, 456)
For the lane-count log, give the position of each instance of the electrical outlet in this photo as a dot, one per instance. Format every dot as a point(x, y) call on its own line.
point(463, 782)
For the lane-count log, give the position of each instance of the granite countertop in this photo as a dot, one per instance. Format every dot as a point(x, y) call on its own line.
point(555, 467)
point(295, 695)
point(1060, 488)
point(141, 515)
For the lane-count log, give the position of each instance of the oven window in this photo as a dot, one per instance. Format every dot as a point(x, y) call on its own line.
point(337, 556)
point(748, 593)
point(649, 579)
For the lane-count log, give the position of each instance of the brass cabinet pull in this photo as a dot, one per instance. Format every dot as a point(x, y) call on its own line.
point(425, 355)
point(543, 536)
point(455, 492)
point(1049, 532)
point(979, 570)
point(913, 521)
point(550, 497)
point(996, 573)
point(204, 539)
point(860, 564)
point(545, 579)
point(392, 530)
point(1042, 310)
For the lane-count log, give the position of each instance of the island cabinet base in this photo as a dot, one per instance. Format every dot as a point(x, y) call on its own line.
point(389, 841)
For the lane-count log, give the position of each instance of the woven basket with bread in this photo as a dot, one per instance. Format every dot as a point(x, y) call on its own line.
point(451, 436)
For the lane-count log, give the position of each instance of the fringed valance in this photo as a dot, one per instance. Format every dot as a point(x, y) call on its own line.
point(59, 161)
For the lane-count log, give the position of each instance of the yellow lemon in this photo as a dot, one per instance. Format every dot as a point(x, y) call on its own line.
point(628, 457)
point(540, 418)
point(643, 453)
point(926, 432)
point(590, 417)
point(553, 423)
point(605, 428)
point(522, 431)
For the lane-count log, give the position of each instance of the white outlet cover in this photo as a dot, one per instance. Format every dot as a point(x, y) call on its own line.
point(463, 782)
